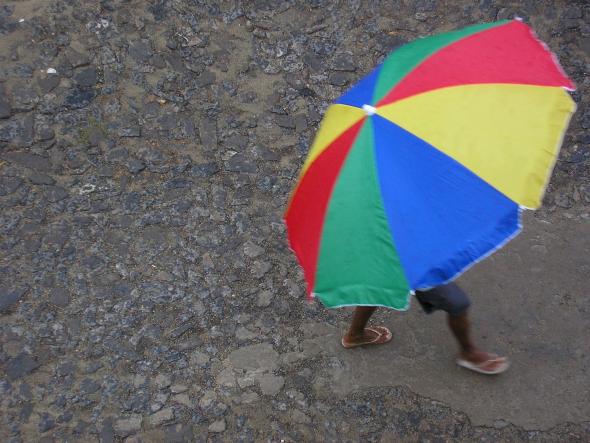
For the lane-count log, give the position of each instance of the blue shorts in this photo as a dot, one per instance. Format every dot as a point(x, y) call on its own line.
point(449, 298)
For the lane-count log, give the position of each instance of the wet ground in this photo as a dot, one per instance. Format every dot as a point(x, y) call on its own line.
point(147, 294)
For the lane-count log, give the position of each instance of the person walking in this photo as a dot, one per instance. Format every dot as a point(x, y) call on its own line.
point(449, 298)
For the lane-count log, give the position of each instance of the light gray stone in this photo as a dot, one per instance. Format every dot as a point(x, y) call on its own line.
point(299, 417)
point(177, 389)
point(252, 250)
point(199, 358)
point(271, 384)
point(161, 417)
point(183, 399)
point(260, 268)
point(162, 381)
point(127, 426)
point(249, 397)
point(217, 426)
point(254, 357)
point(292, 357)
point(249, 379)
point(244, 334)
point(207, 399)
point(226, 378)
point(264, 299)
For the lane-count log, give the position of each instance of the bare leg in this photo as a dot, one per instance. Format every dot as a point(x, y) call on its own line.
point(357, 332)
point(461, 329)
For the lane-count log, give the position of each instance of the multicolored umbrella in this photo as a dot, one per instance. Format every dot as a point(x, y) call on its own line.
point(422, 168)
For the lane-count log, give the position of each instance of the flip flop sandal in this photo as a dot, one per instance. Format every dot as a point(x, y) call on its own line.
point(480, 367)
point(384, 335)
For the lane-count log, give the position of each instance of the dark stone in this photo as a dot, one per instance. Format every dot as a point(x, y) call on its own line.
point(151, 109)
point(93, 367)
point(171, 44)
point(18, 131)
point(572, 12)
point(57, 237)
point(24, 99)
point(31, 161)
point(24, 391)
point(59, 297)
point(78, 98)
point(339, 78)
point(9, 131)
point(175, 62)
point(45, 133)
point(138, 403)
point(177, 183)
point(179, 433)
point(135, 166)
point(92, 262)
point(208, 133)
point(23, 71)
point(344, 62)
point(107, 433)
point(117, 155)
point(159, 10)
point(77, 59)
point(300, 122)
point(46, 422)
point(123, 17)
point(121, 348)
point(66, 417)
point(60, 401)
point(285, 121)
point(425, 5)
point(168, 121)
point(158, 61)
point(241, 163)
point(95, 136)
point(32, 244)
point(9, 297)
point(132, 201)
point(140, 51)
point(105, 171)
point(130, 129)
point(5, 108)
point(89, 386)
point(25, 411)
point(204, 169)
point(66, 368)
point(237, 141)
point(55, 193)
point(266, 154)
point(20, 366)
point(182, 329)
point(307, 92)
point(48, 83)
point(41, 179)
point(87, 77)
point(313, 61)
point(205, 79)
point(9, 184)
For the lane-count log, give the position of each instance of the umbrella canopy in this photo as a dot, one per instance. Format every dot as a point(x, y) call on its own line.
point(422, 168)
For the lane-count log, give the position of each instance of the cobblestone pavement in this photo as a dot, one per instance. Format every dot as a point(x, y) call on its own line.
point(147, 150)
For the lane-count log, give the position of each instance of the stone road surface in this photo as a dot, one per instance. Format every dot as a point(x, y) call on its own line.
point(147, 294)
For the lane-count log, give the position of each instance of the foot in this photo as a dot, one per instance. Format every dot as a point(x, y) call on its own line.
point(376, 335)
point(483, 362)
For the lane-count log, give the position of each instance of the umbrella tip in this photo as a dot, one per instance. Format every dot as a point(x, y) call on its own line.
point(370, 110)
